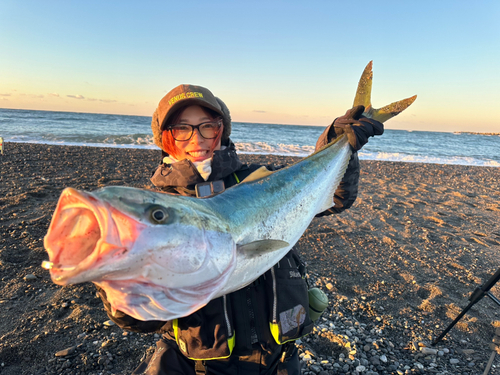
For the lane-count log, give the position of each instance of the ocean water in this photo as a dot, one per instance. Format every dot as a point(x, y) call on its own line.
point(101, 130)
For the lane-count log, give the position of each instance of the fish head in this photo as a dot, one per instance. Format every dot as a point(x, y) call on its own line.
point(146, 240)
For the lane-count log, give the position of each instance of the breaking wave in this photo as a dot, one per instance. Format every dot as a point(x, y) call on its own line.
point(429, 159)
point(278, 149)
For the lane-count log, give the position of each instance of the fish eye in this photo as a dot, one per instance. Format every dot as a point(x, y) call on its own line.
point(159, 215)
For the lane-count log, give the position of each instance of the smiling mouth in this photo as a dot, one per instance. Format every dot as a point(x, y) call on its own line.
point(198, 154)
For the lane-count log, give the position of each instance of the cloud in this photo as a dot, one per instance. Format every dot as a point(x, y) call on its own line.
point(101, 100)
point(76, 96)
point(259, 111)
point(4, 94)
point(54, 94)
point(32, 96)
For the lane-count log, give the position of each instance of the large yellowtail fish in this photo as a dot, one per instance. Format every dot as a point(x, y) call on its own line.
point(160, 256)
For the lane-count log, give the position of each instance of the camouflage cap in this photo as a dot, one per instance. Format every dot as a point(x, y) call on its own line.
point(185, 95)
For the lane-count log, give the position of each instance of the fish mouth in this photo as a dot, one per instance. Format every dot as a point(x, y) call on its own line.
point(75, 231)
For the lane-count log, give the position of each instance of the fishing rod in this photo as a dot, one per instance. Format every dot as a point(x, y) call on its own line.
point(476, 296)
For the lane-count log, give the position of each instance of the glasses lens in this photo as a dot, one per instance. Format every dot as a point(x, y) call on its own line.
point(209, 130)
point(181, 132)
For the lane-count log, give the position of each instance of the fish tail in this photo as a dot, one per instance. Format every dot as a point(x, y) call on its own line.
point(363, 97)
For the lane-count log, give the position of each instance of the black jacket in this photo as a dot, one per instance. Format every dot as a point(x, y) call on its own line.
point(243, 316)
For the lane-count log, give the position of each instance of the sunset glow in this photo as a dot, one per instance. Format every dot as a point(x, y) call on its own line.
point(280, 62)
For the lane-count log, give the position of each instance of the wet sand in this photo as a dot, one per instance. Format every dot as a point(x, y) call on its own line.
point(418, 240)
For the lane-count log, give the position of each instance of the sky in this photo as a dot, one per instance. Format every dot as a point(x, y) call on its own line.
point(286, 62)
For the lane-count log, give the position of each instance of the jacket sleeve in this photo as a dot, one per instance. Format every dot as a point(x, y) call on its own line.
point(126, 322)
point(347, 191)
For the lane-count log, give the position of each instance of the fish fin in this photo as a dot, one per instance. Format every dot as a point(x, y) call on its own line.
point(363, 97)
point(389, 111)
point(328, 202)
point(258, 174)
point(364, 91)
point(326, 205)
point(257, 248)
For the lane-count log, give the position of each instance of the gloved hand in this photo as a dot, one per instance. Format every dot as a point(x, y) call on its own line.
point(357, 127)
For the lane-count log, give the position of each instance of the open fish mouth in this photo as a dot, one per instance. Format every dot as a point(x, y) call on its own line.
point(77, 229)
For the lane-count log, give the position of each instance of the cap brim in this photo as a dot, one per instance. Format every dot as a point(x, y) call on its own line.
point(186, 103)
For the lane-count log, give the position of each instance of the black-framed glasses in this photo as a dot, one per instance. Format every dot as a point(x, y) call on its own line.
point(184, 132)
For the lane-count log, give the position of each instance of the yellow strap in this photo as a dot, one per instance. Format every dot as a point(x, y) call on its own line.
point(175, 325)
point(275, 331)
point(237, 179)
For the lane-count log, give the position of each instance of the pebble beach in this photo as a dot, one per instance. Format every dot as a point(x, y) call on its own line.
point(397, 267)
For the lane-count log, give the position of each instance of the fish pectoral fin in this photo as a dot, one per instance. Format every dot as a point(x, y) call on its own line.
point(257, 248)
point(258, 174)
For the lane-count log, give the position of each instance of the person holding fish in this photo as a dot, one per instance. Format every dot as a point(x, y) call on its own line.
point(251, 330)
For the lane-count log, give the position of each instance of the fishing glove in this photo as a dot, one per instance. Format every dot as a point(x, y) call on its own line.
point(357, 127)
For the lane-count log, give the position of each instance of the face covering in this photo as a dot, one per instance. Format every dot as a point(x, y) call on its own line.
point(204, 167)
